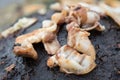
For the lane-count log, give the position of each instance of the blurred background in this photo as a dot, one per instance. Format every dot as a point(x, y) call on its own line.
point(11, 10)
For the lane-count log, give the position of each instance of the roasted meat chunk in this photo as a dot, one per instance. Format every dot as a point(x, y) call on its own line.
point(47, 35)
point(71, 62)
point(78, 39)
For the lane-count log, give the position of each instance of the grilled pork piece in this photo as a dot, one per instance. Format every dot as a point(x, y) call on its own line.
point(84, 17)
point(78, 39)
point(71, 62)
point(21, 24)
point(47, 35)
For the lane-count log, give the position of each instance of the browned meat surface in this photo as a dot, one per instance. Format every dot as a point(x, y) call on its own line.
point(106, 46)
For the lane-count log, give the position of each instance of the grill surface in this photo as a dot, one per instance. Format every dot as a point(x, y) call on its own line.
point(108, 55)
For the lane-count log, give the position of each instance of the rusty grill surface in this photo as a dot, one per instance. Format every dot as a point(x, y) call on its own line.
point(107, 45)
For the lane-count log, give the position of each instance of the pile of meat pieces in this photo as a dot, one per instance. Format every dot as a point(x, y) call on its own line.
point(78, 55)
point(109, 8)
